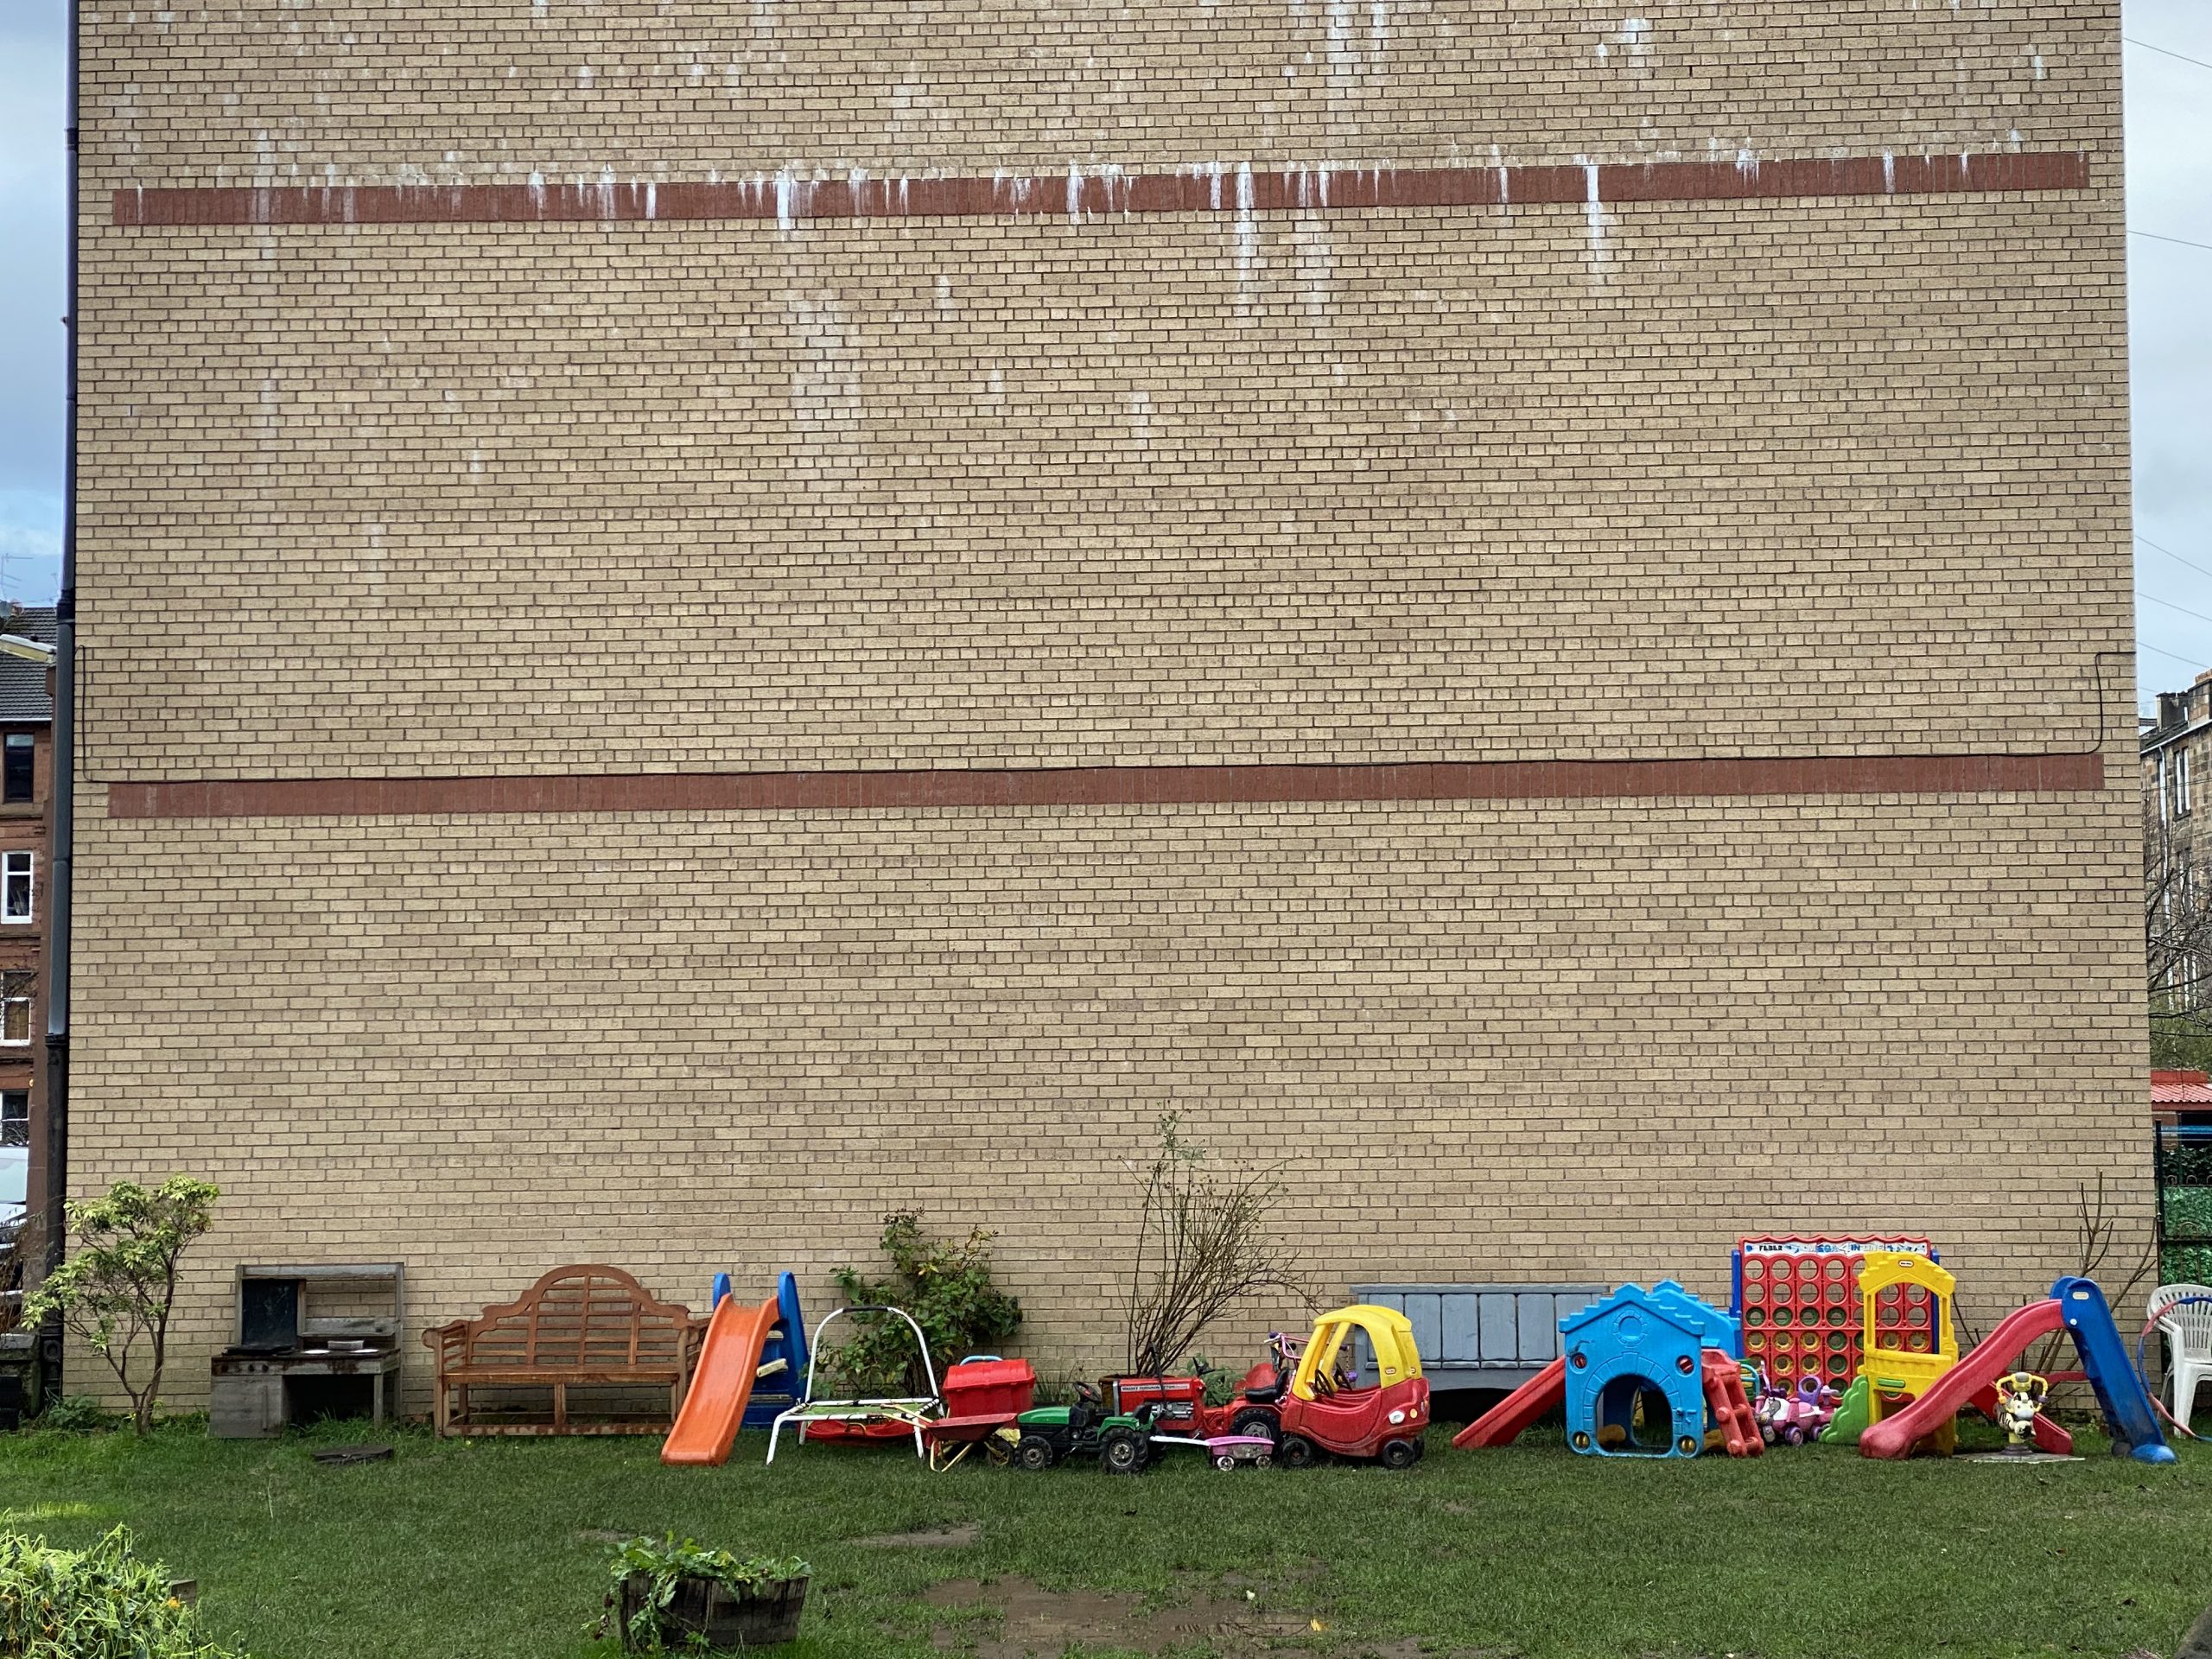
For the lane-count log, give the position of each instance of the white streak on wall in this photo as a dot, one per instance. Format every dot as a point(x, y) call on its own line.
point(825, 385)
point(1141, 417)
point(1315, 260)
point(1594, 211)
point(1635, 35)
point(1248, 241)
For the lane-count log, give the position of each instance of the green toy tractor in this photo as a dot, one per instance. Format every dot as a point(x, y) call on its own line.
point(1052, 1434)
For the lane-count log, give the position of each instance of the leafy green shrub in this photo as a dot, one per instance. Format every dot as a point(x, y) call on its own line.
point(101, 1603)
point(117, 1286)
point(80, 1414)
point(663, 1565)
point(947, 1289)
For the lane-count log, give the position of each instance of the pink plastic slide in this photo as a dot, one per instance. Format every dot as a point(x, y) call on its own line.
point(1896, 1435)
point(730, 1364)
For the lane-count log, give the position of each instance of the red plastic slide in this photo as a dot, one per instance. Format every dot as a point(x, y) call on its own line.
point(1504, 1422)
point(1895, 1436)
point(730, 1364)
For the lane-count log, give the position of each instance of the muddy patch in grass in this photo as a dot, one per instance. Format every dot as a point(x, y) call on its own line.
point(1035, 1621)
point(958, 1537)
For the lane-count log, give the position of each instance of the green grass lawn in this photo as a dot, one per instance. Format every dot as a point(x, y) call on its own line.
point(495, 1549)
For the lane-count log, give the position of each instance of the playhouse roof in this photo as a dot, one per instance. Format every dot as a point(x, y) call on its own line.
point(1672, 1310)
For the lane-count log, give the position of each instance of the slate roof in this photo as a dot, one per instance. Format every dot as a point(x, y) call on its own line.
point(22, 685)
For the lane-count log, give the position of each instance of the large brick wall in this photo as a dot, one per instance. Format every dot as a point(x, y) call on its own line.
point(1011, 390)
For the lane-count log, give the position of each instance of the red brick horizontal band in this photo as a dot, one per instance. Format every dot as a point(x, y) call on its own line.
point(1434, 780)
point(788, 199)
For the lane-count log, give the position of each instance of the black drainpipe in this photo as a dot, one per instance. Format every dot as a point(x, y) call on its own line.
point(65, 782)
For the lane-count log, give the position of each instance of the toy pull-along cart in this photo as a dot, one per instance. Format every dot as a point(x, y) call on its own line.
point(1226, 1450)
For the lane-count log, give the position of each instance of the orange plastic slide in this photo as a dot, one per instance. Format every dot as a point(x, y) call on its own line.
point(730, 1364)
point(1504, 1422)
point(1896, 1435)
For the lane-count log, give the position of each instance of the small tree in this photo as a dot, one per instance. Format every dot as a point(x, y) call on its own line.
point(1205, 1239)
point(117, 1289)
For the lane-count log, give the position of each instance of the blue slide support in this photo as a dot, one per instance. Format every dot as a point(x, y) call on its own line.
point(780, 1391)
point(2130, 1417)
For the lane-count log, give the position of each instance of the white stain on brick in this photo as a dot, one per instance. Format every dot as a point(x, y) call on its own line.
point(1315, 259)
point(1635, 35)
point(1141, 417)
point(1594, 212)
point(1343, 61)
point(825, 384)
point(1248, 241)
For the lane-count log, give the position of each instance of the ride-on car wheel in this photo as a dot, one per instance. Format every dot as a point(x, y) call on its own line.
point(1121, 1452)
point(1295, 1451)
point(1032, 1453)
point(1255, 1422)
point(1398, 1454)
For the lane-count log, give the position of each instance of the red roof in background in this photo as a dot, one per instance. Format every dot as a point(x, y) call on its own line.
point(2180, 1089)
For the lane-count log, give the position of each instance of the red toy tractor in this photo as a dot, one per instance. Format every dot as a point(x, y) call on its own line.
point(1180, 1401)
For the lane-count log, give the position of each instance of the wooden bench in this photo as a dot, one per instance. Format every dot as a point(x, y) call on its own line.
point(591, 1325)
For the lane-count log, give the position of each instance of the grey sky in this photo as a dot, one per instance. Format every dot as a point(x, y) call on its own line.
point(2170, 193)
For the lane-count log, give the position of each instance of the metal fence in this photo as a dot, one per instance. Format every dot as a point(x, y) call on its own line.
point(2184, 1156)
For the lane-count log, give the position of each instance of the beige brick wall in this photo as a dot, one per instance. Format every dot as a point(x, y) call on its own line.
point(1772, 477)
point(1484, 1042)
point(1418, 484)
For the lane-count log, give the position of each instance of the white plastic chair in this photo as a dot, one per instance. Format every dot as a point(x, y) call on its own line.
point(2189, 1334)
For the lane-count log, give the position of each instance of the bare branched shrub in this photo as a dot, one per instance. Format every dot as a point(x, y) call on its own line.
point(2100, 1251)
point(1206, 1238)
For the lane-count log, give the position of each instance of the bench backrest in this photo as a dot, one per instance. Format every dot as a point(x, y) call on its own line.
point(590, 1315)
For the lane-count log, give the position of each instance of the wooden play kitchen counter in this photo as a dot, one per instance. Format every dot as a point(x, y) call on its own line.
point(286, 1354)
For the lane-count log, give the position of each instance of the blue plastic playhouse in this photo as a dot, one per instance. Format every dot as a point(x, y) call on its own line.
point(1635, 1382)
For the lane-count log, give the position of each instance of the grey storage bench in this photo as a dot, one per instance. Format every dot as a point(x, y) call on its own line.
point(1484, 1336)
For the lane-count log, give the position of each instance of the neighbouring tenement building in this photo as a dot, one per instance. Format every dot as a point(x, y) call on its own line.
point(2176, 747)
point(702, 620)
point(26, 773)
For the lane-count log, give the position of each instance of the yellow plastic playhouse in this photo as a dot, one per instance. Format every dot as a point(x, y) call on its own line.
point(1907, 1341)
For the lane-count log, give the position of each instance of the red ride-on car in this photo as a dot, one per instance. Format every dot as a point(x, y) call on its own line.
point(1325, 1408)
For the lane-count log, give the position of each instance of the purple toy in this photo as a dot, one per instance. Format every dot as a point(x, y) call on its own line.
point(1794, 1418)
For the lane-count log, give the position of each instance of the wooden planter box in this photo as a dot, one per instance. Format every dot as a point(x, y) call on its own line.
point(715, 1612)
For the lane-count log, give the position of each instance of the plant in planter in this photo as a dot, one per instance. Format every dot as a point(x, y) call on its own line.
point(680, 1595)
